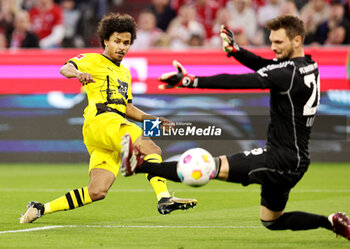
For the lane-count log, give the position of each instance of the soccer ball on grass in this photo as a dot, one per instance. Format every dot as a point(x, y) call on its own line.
point(196, 167)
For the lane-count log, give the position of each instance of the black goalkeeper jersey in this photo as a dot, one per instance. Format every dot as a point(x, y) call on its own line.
point(294, 96)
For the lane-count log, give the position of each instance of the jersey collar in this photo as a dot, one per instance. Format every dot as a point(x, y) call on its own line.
point(115, 63)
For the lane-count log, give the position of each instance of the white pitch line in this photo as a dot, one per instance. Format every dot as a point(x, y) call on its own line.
point(126, 226)
point(31, 229)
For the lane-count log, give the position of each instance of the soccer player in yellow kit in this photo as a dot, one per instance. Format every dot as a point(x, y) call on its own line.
point(108, 87)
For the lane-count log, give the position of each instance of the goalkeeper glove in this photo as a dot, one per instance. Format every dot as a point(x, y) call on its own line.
point(228, 43)
point(178, 79)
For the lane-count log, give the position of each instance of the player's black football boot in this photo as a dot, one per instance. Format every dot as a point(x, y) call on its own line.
point(169, 204)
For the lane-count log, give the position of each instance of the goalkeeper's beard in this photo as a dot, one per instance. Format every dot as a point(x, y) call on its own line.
point(288, 55)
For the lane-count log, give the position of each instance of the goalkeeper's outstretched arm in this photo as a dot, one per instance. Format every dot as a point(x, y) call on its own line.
point(222, 81)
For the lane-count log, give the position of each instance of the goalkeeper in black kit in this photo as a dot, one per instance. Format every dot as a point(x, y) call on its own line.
point(294, 84)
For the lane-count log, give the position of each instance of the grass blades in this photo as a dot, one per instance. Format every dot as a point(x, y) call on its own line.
point(227, 215)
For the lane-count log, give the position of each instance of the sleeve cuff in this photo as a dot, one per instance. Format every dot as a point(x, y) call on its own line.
point(74, 64)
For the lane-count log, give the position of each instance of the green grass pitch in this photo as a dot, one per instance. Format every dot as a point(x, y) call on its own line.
point(227, 215)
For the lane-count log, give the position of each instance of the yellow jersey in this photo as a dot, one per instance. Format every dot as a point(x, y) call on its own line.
point(112, 86)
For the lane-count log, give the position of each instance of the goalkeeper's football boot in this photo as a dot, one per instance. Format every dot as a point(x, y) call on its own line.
point(169, 204)
point(131, 157)
point(34, 211)
point(341, 224)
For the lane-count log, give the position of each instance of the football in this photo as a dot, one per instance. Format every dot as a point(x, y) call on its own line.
point(196, 167)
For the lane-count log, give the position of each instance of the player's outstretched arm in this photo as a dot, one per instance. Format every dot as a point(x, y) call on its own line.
point(178, 79)
point(221, 81)
point(69, 71)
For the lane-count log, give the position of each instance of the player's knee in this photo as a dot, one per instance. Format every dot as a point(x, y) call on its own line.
point(97, 194)
point(271, 225)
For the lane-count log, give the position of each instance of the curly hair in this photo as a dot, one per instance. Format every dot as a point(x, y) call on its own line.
point(116, 23)
point(293, 25)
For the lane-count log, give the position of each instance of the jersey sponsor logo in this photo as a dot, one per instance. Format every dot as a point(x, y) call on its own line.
point(263, 71)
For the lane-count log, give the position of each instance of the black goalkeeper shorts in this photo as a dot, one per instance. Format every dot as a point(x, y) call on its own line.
point(258, 166)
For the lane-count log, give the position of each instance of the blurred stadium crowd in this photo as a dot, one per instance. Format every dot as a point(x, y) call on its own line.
point(174, 24)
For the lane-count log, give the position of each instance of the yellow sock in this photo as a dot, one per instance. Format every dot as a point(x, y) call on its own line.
point(73, 199)
point(158, 183)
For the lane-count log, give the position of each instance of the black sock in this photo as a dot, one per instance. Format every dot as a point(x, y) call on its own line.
point(298, 221)
point(164, 169)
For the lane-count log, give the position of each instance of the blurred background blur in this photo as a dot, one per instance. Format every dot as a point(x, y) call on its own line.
point(175, 24)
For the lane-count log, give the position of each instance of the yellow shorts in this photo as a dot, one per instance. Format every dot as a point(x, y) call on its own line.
point(102, 137)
